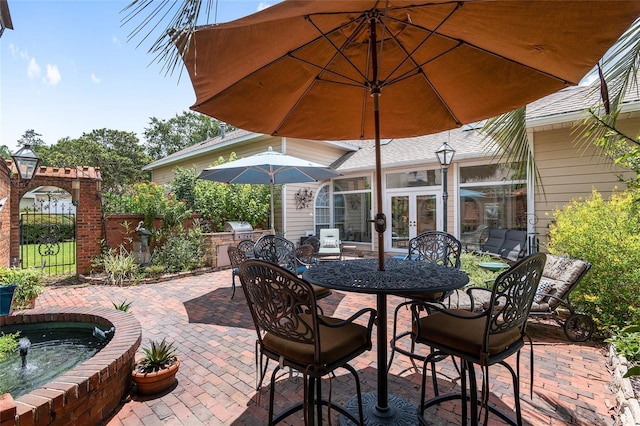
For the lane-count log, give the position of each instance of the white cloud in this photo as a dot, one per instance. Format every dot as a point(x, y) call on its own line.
point(53, 75)
point(115, 41)
point(17, 52)
point(95, 78)
point(33, 69)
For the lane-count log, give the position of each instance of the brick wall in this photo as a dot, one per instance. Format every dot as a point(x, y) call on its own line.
point(5, 216)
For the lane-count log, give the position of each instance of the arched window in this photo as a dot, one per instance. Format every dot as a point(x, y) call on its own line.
point(323, 209)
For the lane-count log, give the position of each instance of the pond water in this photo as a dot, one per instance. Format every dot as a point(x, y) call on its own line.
point(55, 348)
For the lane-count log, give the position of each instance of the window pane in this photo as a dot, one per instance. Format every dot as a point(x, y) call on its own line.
point(323, 211)
point(413, 179)
point(491, 172)
point(491, 206)
point(352, 184)
point(351, 214)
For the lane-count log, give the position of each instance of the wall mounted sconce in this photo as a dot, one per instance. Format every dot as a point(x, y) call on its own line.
point(75, 192)
point(304, 197)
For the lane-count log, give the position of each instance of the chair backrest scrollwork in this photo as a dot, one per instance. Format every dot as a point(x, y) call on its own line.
point(436, 247)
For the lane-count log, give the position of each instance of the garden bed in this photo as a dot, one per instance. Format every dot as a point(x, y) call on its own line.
point(626, 389)
point(102, 279)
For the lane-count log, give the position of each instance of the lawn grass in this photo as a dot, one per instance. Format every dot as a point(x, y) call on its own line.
point(58, 262)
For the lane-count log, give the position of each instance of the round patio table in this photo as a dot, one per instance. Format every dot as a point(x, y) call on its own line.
point(399, 277)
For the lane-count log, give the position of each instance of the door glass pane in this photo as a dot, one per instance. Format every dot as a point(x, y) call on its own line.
point(399, 221)
point(426, 213)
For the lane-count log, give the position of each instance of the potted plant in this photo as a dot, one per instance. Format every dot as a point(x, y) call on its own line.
point(6, 297)
point(156, 372)
point(28, 284)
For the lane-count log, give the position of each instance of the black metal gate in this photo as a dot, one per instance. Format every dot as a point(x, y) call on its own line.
point(48, 235)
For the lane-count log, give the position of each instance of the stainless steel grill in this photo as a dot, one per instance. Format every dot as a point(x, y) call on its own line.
point(241, 230)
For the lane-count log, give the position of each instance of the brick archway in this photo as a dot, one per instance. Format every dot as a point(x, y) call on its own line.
point(88, 211)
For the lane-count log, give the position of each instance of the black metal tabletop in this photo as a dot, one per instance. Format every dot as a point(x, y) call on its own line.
point(400, 276)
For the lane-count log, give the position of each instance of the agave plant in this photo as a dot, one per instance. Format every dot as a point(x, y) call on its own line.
point(158, 356)
point(123, 306)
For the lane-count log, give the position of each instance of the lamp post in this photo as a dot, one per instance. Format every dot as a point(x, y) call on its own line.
point(445, 157)
point(27, 162)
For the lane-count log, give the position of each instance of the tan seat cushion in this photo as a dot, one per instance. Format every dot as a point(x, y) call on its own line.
point(462, 334)
point(336, 343)
point(320, 291)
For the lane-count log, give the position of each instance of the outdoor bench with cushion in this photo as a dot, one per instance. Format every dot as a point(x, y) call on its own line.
point(559, 277)
point(509, 244)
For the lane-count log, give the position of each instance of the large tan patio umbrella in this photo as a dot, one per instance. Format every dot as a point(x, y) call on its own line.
point(340, 70)
point(366, 69)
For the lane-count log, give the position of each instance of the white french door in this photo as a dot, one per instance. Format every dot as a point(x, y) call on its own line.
point(410, 214)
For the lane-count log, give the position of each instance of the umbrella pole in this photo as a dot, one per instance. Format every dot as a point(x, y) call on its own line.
point(382, 406)
point(273, 219)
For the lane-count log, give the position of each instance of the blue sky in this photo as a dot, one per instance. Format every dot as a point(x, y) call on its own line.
point(67, 68)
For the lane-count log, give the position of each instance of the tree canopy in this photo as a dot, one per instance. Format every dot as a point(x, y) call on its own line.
point(165, 137)
point(119, 155)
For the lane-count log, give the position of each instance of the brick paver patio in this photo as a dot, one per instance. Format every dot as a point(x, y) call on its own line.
point(216, 344)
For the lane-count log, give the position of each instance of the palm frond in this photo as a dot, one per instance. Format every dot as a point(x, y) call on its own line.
point(168, 21)
point(618, 72)
point(506, 136)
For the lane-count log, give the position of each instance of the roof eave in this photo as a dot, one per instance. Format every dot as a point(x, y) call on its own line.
point(196, 152)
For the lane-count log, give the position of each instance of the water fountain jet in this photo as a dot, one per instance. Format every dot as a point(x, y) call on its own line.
point(23, 346)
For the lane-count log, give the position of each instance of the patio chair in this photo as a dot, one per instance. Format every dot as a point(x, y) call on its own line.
point(330, 244)
point(560, 276)
point(291, 331)
point(236, 257)
point(282, 252)
point(304, 258)
point(315, 243)
point(484, 338)
point(247, 247)
point(434, 247)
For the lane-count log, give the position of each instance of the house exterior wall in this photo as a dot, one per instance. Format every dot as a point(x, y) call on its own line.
point(569, 170)
point(164, 174)
point(298, 221)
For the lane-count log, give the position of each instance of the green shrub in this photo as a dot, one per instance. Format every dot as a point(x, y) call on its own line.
point(627, 343)
point(218, 202)
point(478, 276)
point(605, 233)
point(181, 250)
point(35, 226)
point(8, 344)
point(154, 270)
point(29, 283)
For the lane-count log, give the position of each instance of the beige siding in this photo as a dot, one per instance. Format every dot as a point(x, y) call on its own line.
point(570, 170)
point(318, 152)
point(164, 174)
point(299, 220)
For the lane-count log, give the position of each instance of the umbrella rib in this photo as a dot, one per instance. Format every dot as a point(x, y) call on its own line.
point(338, 50)
point(409, 55)
point(461, 42)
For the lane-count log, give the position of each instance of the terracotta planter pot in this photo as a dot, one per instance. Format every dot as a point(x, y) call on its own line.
point(156, 382)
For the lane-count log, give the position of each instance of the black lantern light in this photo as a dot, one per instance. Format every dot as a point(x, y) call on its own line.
point(27, 162)
point(445, 157)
